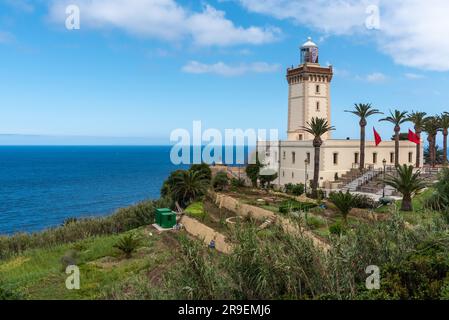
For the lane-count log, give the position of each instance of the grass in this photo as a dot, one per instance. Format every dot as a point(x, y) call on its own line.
point(40, 274)
point(196, 210)
point(419, 214)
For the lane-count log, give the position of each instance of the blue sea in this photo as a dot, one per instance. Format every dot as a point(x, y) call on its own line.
point(42, 186)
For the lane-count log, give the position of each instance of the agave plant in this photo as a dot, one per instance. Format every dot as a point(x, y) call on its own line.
point(408, 183)
point(344, 202)
point(128, 245)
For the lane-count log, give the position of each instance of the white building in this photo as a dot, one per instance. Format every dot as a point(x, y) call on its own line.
point(309, 96)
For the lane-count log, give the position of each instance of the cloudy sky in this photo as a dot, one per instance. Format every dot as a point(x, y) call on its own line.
point(138, 69)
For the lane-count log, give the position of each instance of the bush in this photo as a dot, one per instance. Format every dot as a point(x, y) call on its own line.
point(8, 293)
point(336, 228)
point(196, 210)
point(220, 181)
point(128, 245)
point(294, 189)
point(364, 202)
point(70, 258)
point(237, 183)
point(439, 200)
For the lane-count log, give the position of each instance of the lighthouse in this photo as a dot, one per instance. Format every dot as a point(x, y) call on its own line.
point(308, 92)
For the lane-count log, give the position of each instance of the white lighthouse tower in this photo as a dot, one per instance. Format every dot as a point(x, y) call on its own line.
point(309, 92)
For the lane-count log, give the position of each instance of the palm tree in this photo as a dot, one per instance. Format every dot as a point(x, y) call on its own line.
point(317, 127)
point(444, 124)
point(363, 111)
point(397, 118)
point(418, 119)
point(188, 186)
point(431, 127)
point(406, 182)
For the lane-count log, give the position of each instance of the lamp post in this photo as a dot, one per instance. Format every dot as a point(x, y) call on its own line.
point(306, 175)
point(385, 166)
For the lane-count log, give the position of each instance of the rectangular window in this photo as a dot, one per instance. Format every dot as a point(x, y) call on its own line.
point(374, 158)
point(410, 157)
point(356, 158)
point(335, 158)
point(317, 88)
point(318, 106)
point(283, 173)
point(293, 157)
point(300, 137)
point(293, 175)
point(308, 157)
point(283, 156)
point(391, 157)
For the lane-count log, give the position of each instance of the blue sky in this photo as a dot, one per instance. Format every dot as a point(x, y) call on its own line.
point(138, 69)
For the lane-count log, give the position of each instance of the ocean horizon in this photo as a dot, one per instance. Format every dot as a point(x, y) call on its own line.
point(41, 186)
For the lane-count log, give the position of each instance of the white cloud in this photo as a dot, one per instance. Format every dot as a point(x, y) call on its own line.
point(224, 69)
point(412, 32)
point(414, 76)
point(164, 19)
point(375, 77)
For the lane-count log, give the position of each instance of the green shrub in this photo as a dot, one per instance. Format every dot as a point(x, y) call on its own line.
point(196, 210)
point(296, 189)
point(364, 202)
point(9, 293)
point(203, 169)
point(237, 183)
point(128, 244)
point(336, 228)
point(220, 181)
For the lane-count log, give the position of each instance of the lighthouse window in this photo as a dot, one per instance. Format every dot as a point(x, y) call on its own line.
point(317, 88)
point(335, 158)
point(318, 106)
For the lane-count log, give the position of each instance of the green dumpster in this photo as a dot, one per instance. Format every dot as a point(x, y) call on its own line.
point(165, 218)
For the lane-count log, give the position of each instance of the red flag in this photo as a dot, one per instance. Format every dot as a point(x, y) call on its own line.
point(413, 137)
point(377, 137)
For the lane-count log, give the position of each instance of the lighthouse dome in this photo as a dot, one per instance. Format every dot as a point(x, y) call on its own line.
point(309, 52)
point(309, 44)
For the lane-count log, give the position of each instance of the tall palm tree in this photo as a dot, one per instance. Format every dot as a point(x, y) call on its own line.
point(397, 118)
point(418, 119)
point(406, 182)
point(363, 111)
point(317, 127)
point(431, 127)
point(444, 124)
point(188, 186)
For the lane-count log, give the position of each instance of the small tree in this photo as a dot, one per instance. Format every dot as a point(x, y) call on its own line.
point(220, 181)
point(266, 180)
point(407, 183)
point(253, 171)
point(344, 202)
